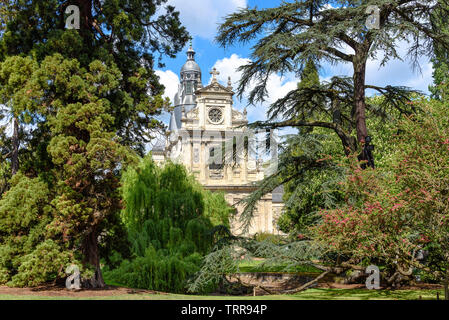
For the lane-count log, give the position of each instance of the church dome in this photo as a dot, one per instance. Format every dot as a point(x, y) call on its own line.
point(190, 64)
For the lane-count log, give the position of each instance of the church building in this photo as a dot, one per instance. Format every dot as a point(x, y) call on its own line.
point(203, 127)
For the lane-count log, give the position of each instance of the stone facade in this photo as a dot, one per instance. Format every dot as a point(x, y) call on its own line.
point(206, 134)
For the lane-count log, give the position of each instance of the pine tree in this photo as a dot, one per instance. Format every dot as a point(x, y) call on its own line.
point(441, 55)
point(306, 174)
point(127, 33)
point(88, 98)
point(309, 76)
point(289, 35)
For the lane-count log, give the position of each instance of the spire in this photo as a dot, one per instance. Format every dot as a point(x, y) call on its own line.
point(191, 52)
point(190, 64)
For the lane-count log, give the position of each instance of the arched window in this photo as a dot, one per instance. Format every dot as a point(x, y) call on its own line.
point(189, 87)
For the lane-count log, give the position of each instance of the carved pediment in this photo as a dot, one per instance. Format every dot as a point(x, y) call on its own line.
point(215, 87)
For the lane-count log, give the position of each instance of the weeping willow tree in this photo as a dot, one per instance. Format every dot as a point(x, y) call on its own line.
point(169, 219)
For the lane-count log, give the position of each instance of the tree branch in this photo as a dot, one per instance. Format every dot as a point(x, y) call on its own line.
point(308, 284)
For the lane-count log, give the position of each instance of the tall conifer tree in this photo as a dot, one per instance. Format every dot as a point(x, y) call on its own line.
point(335, 32)
point(89, 97)
point(441, 54)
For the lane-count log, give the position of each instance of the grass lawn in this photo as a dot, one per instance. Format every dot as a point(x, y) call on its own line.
point(119, 292)
point(311, 294)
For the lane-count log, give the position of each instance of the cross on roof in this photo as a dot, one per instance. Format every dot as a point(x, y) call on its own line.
point(214, 74)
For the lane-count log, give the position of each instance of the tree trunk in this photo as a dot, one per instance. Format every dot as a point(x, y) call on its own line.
point(359, 97)
point(15, 147)
point(349, 143)
point(85, 7)
point(92, 258)
point(446, 286)
point(308, 284)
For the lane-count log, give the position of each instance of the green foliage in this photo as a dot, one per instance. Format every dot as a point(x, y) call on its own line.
point(308, 167)
point(440, 76)
point(84, 100)
point(236, 254)
point(265, 236)
point(311, 187)
point(294, 33)
point(441, 57)
point(261, 266)
point(156, 271)
point(216, 265)
point(309, 76)
point(27, 257)
point(316, 181)
point(168, 218)
point(310, 172)
point(23, 206)
point(47, 261)
point(392, 212)
point(309, 177)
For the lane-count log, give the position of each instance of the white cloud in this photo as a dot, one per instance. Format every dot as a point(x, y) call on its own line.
point(228, 68)
point(171, 82)
point(400, 73)
point(395, 72)
point(201, 17)
point(277, 86)
point(422, 81)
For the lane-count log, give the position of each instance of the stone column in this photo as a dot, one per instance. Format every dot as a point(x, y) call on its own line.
point(203, 163)
point(244, 177)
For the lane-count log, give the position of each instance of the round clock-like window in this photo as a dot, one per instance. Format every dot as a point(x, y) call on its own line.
point(215, 115)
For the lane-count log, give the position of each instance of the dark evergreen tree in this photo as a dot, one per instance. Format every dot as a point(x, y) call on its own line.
point(291, 34)
point(126, 33)
point(306, 175)
point(441, 54)
point(88, 98)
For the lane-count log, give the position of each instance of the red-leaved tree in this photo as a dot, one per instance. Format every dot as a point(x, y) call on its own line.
point(392, 213)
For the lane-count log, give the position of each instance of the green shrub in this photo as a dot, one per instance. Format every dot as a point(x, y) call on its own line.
point(45, 263)
point(156, 271)
point(266, 236)
point(4, 276)
point(169, 223)
point(25, 257)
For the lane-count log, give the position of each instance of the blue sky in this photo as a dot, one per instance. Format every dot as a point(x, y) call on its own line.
point(201, 18)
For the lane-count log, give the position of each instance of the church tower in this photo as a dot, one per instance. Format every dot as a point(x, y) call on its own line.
point(204, 134)
point(185, 99)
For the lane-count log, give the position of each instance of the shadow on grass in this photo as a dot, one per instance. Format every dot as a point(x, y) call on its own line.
point(365, 294)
